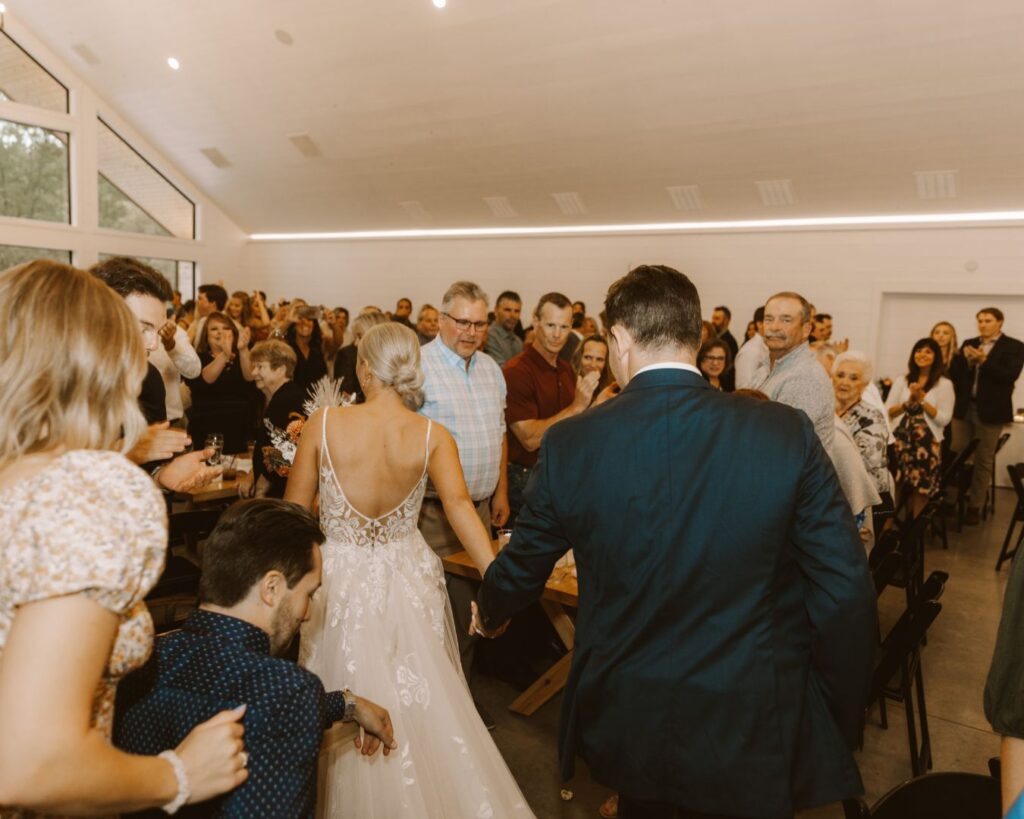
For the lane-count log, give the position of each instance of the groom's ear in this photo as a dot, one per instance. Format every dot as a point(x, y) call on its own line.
point(621, 336)
point(272, 587)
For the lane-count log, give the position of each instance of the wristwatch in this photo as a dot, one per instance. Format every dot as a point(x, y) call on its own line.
point(350, 705)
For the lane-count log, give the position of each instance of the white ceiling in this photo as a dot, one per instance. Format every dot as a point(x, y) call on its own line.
point(523, 99)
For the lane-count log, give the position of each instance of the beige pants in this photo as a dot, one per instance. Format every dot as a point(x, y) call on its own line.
point(984, 456)
point(438, 532)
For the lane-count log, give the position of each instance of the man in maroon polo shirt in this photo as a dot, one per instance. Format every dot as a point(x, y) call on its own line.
point(542, 390)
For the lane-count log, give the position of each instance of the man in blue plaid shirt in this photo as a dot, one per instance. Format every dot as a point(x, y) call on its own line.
point(465, 391)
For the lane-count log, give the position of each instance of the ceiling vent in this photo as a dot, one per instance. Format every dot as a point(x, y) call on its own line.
point(217, 159)
point(415, 210)
point(87, 54)
point(776, 192)
point(936, 184)
point(685, 197)
point(500, 207)
point(569, 203)
point(305, 145)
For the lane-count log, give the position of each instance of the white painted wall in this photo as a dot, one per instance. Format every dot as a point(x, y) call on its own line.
point(844, 273)
point(218, 248)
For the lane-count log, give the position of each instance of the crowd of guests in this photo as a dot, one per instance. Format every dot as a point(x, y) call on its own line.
point(232, 366)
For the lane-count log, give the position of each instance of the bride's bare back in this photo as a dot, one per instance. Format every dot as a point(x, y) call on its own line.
point(378, 454)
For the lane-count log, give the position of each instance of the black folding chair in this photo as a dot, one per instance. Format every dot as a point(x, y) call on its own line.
point(946, 795)
point(957, 474)
point(989, 507)
point(1017, 481)
point(901, 657)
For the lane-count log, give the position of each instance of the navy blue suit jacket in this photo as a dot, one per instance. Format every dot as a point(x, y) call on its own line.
point(726, 616)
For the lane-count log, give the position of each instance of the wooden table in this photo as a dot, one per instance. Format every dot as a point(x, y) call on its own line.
point(218, 490)
point(560, 592)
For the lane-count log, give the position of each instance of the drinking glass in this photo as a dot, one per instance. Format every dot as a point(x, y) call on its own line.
point(214, 441)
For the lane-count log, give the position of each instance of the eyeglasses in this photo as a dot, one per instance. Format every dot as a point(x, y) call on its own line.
point(714, 358)
point(465, 325)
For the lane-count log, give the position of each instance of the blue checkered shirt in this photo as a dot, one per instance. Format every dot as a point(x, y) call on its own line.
point(471, 406)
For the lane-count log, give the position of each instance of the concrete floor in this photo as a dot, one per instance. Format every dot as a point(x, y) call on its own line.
point(955, 661)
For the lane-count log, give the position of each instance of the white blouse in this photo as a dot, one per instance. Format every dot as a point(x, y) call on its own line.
point(940, 396)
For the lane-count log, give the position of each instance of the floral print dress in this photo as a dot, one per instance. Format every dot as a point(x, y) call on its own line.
point(90, 523)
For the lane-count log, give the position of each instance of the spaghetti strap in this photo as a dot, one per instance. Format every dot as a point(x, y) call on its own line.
point(325, 453)
point(426, 447)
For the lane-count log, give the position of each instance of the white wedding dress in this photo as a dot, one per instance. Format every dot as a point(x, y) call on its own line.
point(381, 625)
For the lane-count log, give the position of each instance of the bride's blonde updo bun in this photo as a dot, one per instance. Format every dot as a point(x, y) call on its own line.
point(392, 352)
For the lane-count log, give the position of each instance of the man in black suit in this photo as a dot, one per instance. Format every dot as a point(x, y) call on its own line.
point(726, 616)
point(720, 318)
point(984, 399)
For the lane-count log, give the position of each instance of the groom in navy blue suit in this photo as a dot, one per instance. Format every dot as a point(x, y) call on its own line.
point(726, 616)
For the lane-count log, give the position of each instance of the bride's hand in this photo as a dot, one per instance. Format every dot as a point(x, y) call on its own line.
point(374, 728)
point(476, 625)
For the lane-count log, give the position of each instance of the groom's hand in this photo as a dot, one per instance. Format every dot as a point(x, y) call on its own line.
point(374, 728)
point(476, 625)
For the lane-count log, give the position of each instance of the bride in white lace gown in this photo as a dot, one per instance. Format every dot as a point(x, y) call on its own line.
point(381, 623)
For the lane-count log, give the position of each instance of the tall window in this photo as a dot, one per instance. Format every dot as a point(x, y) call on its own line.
point(134, 196)
point(10, 255)
point(34, 173)
point(24, 80)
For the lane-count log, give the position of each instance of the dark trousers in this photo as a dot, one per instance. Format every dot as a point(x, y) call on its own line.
point(638, 809)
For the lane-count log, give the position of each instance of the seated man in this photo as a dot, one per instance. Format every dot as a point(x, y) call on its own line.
point(261, 566)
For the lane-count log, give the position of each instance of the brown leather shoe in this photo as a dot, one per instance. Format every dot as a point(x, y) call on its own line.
point(973, 516)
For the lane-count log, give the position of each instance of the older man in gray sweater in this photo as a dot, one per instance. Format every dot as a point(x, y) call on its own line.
point(792, 374)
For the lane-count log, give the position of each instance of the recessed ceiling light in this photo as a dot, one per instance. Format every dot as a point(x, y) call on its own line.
point(776, 192)
point(685, 197)
point(500, 206)
point(440, 4)
point(570, 203)
point(173, 63)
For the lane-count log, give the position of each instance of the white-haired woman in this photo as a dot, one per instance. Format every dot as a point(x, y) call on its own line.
point(382, 620)
point(851, 376)
point(84, 539)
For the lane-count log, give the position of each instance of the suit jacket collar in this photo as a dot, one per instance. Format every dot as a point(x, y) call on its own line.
point(666, 378)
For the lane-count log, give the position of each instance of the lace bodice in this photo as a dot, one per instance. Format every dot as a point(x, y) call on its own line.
point(342, 522)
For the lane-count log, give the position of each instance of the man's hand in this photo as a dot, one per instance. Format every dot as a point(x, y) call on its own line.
point(476, 625)
point(166, 333)
point(158, 443)
point(500, 509)
point(374, 728)
point(189, 472)
point(585, 386)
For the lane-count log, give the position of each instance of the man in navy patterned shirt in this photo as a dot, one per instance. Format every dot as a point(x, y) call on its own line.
point(261, 566)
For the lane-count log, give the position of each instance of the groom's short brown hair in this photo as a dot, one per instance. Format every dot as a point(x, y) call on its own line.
point(658, 305)
point(254, 537)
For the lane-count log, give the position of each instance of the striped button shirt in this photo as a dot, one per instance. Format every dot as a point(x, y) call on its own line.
point(471, 406)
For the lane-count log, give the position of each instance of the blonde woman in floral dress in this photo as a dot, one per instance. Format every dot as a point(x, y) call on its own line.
point(84, 537)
